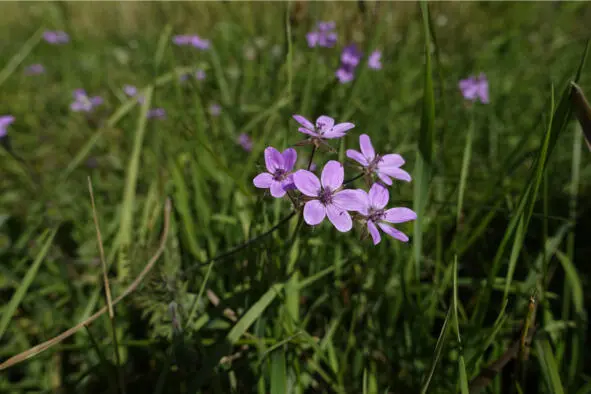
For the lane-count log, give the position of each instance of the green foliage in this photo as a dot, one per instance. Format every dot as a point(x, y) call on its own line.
point(246, 297)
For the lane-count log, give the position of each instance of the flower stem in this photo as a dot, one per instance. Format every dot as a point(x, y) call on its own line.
point(353, 179)
point(238, 248)
point(311, 157)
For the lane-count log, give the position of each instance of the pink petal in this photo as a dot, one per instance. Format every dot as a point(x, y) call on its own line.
point(373, 231)
point(342, 127)
point(309, 132)
point(333, 175)
point(289, 158)
point(341, 219)
point(391, 231)
point(378, 196)
point(307, 183)
point(394, 172)
point(277, 189)
point(399, 215)
point(392, 160)
point(324, 123)
point(331, 134)
point(263, 181)
point(314, 212)
point(357, 156)
point(384, 178)
point(273, 159)
point(304, 122)
point(366, 147)
point(351, 200)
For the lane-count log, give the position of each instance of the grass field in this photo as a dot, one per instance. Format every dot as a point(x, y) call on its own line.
point(131, 223)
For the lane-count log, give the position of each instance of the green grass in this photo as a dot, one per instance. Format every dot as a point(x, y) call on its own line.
point(245, 297)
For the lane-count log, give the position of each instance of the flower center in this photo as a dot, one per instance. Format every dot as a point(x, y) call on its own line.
point(373, 165)
point(280, 174)
point(325, 196)
point(375, 215)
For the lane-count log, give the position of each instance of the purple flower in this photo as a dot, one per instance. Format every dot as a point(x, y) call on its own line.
point(56, 37)
point(323, 36)
point(200, 75)
point(5, 121)
point(279, 166)
point(245, 142)
point(326, 198)
point(374, 61)
point(383, 166)
point(215, 109)
point(34, 69)
point(158, 113)
point(194, 40)
point(130, 90)
point(373, 210)
point(474, 88)
point(83, 103)
point(350, 58)
point(182, 39)
point(324, 128)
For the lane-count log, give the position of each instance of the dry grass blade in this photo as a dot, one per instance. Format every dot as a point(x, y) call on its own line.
point(130, 289)
point(582, 111)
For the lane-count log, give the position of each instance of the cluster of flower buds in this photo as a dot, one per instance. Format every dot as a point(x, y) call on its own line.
point(329, 195)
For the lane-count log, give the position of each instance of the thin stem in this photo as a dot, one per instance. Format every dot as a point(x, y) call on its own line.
point(353, 179)
point(311, 157)
point(243, 245)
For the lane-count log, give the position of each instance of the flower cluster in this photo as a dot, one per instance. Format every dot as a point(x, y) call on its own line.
point(193, 39)
point(350, 58)
point(323, 36)
point(328, 196)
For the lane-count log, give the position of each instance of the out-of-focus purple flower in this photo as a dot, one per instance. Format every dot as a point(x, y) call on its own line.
point(131, 91)
point(158, 113)
point(83, 103)
point(245, 142)
point(191, 39)
point(374, 61)
point(56, 37)
point(474, 88)
point(325, 127)
point(215, 109)
point(350, 58)
point(182, 39)
point(374, 212)
point(5, 121)
point(200, 75)
point(183, 77)
point(326, 197)
point(35, 69)
point(384, 167)
point(323, 36)
point(279, 178)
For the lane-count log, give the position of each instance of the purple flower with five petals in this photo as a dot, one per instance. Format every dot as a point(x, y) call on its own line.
point(325, 127)
point(474, 88)
point(5, 121)
point(373, 210)
point(279, 166)
point(384, 167)
point(327, 198)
